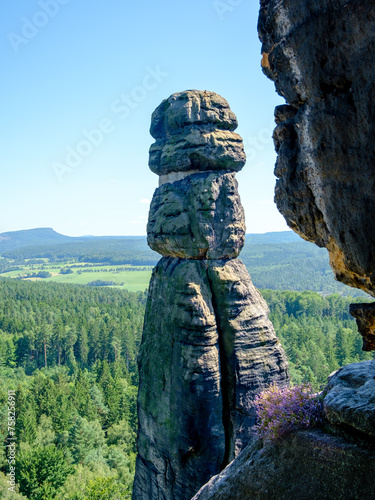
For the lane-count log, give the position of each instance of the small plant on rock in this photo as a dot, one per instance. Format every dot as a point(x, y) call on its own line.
point(281, 411)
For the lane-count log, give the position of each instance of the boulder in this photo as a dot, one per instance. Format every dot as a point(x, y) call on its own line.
point(198, 217)
point(365, 316)
point(350, 399)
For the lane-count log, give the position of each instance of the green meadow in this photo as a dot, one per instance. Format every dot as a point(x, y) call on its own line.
point(128, 277)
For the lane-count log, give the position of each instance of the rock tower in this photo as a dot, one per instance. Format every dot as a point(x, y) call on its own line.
point(208, 347)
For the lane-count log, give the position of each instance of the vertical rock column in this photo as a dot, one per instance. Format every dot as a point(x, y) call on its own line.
point(208, 347)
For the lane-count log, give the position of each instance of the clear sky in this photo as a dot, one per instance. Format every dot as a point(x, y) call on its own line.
point(80, 80)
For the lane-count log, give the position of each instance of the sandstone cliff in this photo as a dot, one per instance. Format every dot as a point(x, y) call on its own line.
point(208, 347)
point(320, 54)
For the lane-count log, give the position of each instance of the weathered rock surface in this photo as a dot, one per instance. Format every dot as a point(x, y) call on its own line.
point(194, 130)
point(350, 401)
point(181, 433)
point(198, 217)
point(304, 466)
point(208, 348)
point(365, 316)
point(320, 54)
point(312, 464)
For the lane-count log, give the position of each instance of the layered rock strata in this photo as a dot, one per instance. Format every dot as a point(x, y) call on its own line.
point(208, 347)
point(320, 54)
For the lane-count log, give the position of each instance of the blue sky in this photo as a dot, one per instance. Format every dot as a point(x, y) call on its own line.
point(80, 83)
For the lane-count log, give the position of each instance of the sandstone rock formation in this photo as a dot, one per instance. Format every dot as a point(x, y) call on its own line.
point(198, 217)
point(365, 316)
point(208, 347)
point(194, 130)
point(320, 54)
point(350, 399)
point(306, 465)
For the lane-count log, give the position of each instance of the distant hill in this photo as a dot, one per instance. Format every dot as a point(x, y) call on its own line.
point(46, 236)
point(31, 237)
point(277, 260)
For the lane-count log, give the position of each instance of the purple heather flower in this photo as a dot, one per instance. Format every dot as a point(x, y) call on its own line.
point(281, 411)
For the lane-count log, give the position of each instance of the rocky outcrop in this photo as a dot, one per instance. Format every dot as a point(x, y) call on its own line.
point(350, 399)
point(320, 54)
point(335, 462)
point(208, 347)
point(305, 465)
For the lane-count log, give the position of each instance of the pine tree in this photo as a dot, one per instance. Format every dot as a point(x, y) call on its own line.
point(42, 471)
point(26, 421)
point(84, 437)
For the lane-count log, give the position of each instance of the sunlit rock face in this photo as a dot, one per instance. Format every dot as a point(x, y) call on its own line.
point(321, 56)
point(208, 347)
point(305, 465)
point(198, 217)
point(194, 130)
point(350, 399)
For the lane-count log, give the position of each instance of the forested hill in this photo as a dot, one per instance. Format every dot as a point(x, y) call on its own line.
point(278, 261)
point(31, 237)
point(34, 240)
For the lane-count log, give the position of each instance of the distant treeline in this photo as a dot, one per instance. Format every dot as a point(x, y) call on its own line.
point(50, 324)
point(293, 265)
point(318, 333)
point(112, 251)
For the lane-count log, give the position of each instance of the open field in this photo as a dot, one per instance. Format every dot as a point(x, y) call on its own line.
point(131, 278)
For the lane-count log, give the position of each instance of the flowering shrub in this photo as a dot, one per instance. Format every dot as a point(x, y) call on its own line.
point(281, 411)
